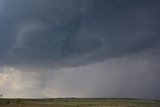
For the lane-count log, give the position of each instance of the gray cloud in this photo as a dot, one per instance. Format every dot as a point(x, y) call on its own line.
point(131, 76)
point(51, 33)
point(84, 48)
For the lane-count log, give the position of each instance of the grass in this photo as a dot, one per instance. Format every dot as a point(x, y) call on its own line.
point(78, 102)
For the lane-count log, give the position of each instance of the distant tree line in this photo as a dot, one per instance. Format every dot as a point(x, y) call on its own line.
point(1, 95)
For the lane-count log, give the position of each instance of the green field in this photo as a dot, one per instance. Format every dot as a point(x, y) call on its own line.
point(78, 102)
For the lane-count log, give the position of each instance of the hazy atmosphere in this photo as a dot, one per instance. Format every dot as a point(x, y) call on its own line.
point(80, 48)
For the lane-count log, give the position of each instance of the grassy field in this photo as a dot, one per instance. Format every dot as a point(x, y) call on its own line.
point(78, 102)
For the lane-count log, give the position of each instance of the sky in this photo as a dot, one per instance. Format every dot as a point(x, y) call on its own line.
point(80, 48)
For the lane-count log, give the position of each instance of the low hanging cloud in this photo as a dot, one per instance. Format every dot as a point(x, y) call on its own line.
point(131, 76)
point(80, 48)
point(51, 33)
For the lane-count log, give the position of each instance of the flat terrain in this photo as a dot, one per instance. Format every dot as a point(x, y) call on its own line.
point(78, 102)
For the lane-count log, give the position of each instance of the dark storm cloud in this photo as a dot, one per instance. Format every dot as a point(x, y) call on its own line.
point(42, 35)
point(60, 33)
point(131, 76)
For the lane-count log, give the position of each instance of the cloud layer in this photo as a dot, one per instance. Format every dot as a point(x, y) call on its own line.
point(131, 76)
point(80, 48)
point(51, 33)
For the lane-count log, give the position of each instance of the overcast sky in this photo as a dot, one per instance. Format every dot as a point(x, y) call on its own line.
point(80, 48)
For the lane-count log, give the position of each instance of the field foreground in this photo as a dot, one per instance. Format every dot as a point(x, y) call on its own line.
point(78, 102)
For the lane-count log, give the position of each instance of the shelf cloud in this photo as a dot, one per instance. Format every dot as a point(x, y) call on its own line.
point(55, 36)
point(51, 33)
